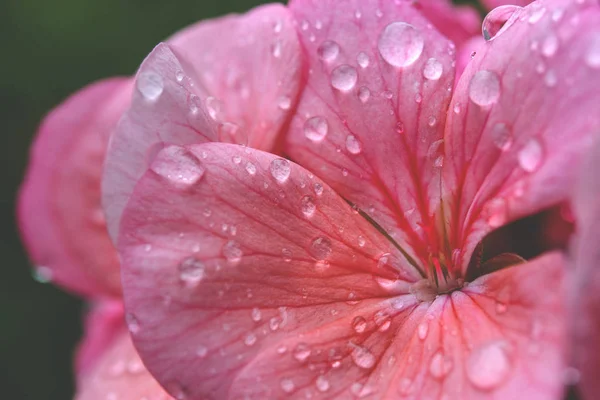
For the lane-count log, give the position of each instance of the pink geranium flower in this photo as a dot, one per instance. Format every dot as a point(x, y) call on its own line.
point(352, 271)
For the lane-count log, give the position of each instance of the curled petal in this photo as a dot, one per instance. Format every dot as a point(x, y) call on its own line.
point(59, 212)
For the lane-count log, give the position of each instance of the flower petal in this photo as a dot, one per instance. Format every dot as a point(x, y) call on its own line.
point(457, 23)
point(371, 119)
point(236, 287)
point(184, 95)
point(523, 113)
point(233, 262)
point(119, 374)
point(584, 296)
point(61, 220)
point(490, 4)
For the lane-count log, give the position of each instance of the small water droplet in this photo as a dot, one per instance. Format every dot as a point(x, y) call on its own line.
point(363, 94)
point(488, 365)
point(318, 189)
point(363, 59)
point(250, 339)
point(400, 44)
point(537, 12)
point(286, 254)
point(287, 385)
point(201, 351)
point(132, 323)
point(150, 85)
point(344, 77)
point(328, 50)
point(280, 169)
point(353, 145)
point(232, 252)
point(179, 75)
point(592, 55)
point(405, 387)
point(497, 212)
point(431, 121)
point(276, 49)
point(178, 165)
point(308, 206)
point(322, 384)
point(440, 365)
point(250, 168)
point(321, 248)
point(550, 79)
point(502, 136)
point(256, 314)
point(42, 274)
point(399, 127)
point(362, 357)
point(361, 241)
point(484, 88)
point(316, 128)
point(301, 352)
point(382, 320)
point(550, 45)
point(457, 108)
point(530, 156)
point(433, 69)
point(423, 329)
point(359, 324)
point(191, 271)
point(278, 26)
point(499, 20)
point(284, 102)
point(213, 106)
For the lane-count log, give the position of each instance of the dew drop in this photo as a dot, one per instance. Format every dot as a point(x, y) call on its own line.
point(232, 252)
point(361, 241)
point(484, 88)
point(256, 314)
point(400, 44)
point(191, 271)
point(250, 339)
point(530, 156)
point(286, 254)
point(422, 330)
point(132, 323)
point(364, 94)
point(457, 108)
point(592, 56)
point(276, 49)
point(287, 385)
point(359, 324)
point(362, 357)
point(537, 12)
point(499, 20)
point(179, 75)
point(318, 189)
point(433, 69)
point(322, 384)
point(353, 144)
point(316, 128)
point(308, 206)
point(328, 50)
point(363, 59)
point(302, 352)
point(284, 102)
point(344, 77)
point(178, 166)
point(280, 169)
point(236, 159)
point(431, 121)
point(320, 248)
point(213, 106)
point(502, 136)
point(440, 365)
point(497, 212)
point(250, 168)
point(550, 45)
point(488, 365)
point(150, 85)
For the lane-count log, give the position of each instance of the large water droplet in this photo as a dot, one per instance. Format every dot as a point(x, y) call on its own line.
point(328, 50)
point(530, 156)
point(191, 271)
point(232, 252)
point(400, 44)
point(502, 136)
point(316, 129)
point(150, 85)
point(280, 169)
point(302, 352)
point(178, 165)
point(484, 88)
point(362, 59)
point(322, 384)
point(362, 357)
point(433, 69)
point(344, 77)
point(353, 144)
point(320, 248)
point(499, 20)
point(440, 365)
point(359, 324)
point(307, 205)
point(488, 365)
point(592, 56)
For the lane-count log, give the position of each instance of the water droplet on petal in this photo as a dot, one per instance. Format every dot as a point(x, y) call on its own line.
point(232, 252)
point(201, 351)
point(488, 365)
point(362, 357)
point(362, 59)
point(256, 314)
point(530, 156)
point(178, 165)
point(302, 352)
point(276, 49)
point(328, 50)
point(550, 79)
point(359, 324)
point(318, 189)
point(150, 85)
point(363, 94)
point(322, 384)
point(502, 136)
point(422, 330)
point(592, 56)
point(280, 169)
point(321, 248)
point(361, 241)
point(433, 69)
point(484, 88)
point(287, 254)
point(550, 45)
point(250, 339)
point(213, 106)
point(284, 102)
point(308, 206)
point(179, 75)
point(287, 385)
point(497, 212)
point(440, 365)
point(353, 144)
point(42, 274)
point(499, 20)
point(400, 44)
point(537, 12)
point(132, 323)
point(191, 271)
point(344, 77)
point(316, 129)
point(250, 168)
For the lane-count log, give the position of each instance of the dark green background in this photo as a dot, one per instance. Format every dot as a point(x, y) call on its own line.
point(49, 49)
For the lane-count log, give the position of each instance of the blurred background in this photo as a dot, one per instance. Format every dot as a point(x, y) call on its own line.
point(50, 49)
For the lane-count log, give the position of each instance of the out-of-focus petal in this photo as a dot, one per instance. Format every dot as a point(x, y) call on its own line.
point(457, 23)
point(523, 113)
point(59, 212)
point(185, 95)
point(491, 4)
point(119, 374)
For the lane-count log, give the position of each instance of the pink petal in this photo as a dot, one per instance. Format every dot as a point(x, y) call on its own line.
point(523, 113)
point(119, 374)
point(490, 4)
point(61, 220)
point(371, 119)
point(585, 298)
point(236, 259)
point(185, 95)
point(457, 23)
point(102, 324)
